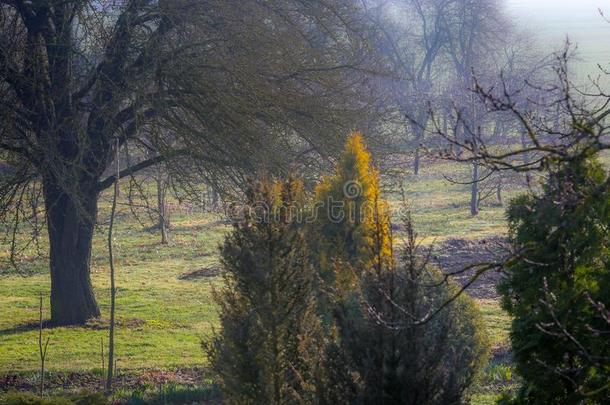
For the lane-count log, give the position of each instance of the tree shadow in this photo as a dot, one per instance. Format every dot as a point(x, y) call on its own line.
point(26, 327)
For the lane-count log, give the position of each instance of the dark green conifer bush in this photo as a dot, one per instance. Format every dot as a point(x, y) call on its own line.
point(270, 348)
point(558, 287)
point(379, 307)
point(403, 353)
point(322, 314)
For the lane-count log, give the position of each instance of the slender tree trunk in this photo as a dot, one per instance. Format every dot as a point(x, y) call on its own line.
point(459, 136)
point(416, 160)
point(163, 225)
point(499, 191)
point(526, 159)
point(110, 376)
point(474, 190)
point(215, 200)
point(419, 132)
point(162, 205)
point(70, 227)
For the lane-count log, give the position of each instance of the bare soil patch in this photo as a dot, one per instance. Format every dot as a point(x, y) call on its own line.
point(454, 255)
point(90, 381)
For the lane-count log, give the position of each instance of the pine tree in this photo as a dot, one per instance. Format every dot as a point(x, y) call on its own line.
point(372, 305)
point(350, 211)
point(401, 356)
point(270, 349)
point(343, 244)
point(558, 288)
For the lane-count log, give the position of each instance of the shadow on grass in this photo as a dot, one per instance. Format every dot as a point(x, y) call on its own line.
point(26, 327)
point(204, 272)
point(93, 324)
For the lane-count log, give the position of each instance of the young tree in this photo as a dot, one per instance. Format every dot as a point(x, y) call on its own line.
point(270, 348)
point(558, 291)
point(79, 78)
point(348, 204)
point(379, 309)
point(403, 355)
point(341, 245)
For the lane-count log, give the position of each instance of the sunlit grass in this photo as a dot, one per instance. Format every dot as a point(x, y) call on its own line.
point(161, 317)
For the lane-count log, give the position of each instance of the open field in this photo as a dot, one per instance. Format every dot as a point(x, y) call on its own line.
point(165, 305)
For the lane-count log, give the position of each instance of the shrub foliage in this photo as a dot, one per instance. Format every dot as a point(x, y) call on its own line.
point(321, 312)
point(558, 290)
point(268, 348)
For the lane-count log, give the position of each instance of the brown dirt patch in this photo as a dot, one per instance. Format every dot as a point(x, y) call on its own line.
point(456, 254)
point(89, 381)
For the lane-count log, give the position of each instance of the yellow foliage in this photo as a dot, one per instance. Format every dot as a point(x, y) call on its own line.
point(353, 226)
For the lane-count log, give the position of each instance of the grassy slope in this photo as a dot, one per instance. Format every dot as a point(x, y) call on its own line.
point(163, 318)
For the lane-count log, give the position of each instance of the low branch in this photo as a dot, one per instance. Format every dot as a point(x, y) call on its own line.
point(109, 181)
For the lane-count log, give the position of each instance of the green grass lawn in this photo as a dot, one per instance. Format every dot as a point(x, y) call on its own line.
point(162, 317)
point(441, 208)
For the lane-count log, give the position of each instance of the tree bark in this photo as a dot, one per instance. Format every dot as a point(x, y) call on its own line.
point(499, 191)
point(474, 190)
point(162, 207)
point(70, 227)
point(418, 129)
point(526, 159)
point(416, 162)
point(215, 200)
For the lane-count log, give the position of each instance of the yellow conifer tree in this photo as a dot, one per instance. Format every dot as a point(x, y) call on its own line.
point(352, 227)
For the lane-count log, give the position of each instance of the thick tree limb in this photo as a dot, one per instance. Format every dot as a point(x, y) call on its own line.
point(109, 181)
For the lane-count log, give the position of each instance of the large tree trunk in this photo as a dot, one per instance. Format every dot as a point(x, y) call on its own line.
point(70, 227)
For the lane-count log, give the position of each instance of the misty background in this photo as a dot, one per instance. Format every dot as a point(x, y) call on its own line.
point(551, 21)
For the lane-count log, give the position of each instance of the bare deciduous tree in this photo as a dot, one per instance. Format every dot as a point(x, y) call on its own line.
point(238, 82)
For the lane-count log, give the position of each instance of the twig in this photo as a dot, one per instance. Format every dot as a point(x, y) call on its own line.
point(103, 362)
point(42, 350)
point(112, 280)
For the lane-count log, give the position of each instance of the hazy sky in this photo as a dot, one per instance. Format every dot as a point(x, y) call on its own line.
point(552, 20)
